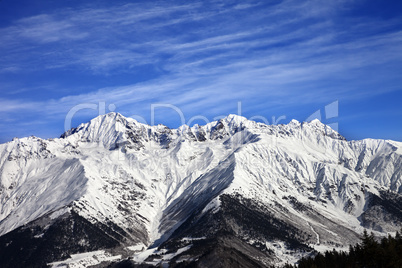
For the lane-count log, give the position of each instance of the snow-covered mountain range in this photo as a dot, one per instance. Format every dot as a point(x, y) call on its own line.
point(231, 191)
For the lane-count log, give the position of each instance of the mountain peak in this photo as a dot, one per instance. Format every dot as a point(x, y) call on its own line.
point(110, 118)
point(315, 121)
point(236, 118)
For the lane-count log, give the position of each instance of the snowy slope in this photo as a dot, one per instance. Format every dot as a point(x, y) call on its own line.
point(149, 180)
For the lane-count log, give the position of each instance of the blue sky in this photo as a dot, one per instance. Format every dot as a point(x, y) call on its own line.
point(277, 58)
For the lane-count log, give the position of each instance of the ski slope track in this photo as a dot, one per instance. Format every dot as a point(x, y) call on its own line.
point(234, 190)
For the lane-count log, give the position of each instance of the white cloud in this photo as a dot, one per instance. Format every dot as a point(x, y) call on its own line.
point(7, 105)
point(208, 58)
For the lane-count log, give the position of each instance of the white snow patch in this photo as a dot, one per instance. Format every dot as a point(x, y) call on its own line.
point(142, 256)
point(283, 253)
point(59, 212)
point(214, 205)
point(138, 247)
point(193, 238)
point(161, 256)
point(83, 260)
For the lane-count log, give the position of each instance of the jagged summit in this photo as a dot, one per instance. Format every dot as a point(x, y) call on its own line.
point(113, 130)
point(100, 123)
point(315, 121)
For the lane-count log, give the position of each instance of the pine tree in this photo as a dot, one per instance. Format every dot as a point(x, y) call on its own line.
point(369, 253)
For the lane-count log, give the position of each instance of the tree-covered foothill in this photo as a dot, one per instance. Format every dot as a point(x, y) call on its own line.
point(369, 253)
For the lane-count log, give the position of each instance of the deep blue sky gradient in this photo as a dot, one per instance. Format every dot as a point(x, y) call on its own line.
point(277, 58)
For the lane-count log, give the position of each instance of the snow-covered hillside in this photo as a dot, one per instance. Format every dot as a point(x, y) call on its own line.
point(147, 185)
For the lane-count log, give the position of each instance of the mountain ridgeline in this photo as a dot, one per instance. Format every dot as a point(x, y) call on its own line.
point(232, 193)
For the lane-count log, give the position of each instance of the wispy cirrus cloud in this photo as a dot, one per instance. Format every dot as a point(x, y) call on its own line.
point(16, 105)
point(201, 57)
